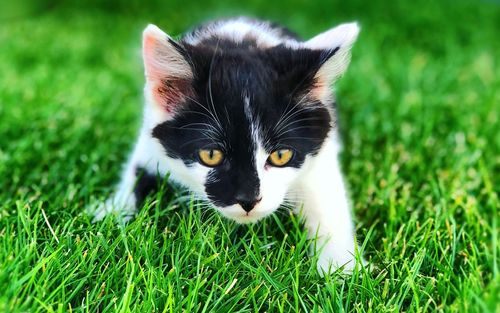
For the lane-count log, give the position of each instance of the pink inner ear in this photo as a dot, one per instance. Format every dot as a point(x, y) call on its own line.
point(321, 89)
point(152, 67)
point(167, 91)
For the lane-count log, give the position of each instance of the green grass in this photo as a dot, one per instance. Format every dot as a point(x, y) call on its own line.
point(419, 111)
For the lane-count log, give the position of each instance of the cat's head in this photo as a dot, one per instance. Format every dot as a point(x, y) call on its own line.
point(240, 122)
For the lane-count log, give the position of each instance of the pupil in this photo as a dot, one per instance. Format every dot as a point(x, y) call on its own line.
point(211, 154)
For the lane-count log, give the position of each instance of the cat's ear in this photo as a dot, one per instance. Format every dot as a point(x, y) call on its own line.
point(168, 74)
point(336, 44)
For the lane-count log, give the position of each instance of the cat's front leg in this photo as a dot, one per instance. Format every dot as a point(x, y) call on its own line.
point(135, 184)
point(326, 212)
point(122, 202)
point(328, 220)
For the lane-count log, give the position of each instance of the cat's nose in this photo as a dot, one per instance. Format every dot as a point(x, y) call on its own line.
point(248, 204)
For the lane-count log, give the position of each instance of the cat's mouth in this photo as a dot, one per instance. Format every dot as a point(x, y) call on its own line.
point(237, 214)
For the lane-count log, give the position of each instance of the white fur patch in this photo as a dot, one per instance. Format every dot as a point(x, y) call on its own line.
point(240, 28)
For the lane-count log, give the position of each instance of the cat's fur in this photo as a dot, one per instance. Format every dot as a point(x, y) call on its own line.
point(246, 87)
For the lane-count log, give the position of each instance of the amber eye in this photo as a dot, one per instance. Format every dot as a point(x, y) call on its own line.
point(280, 157)
point(210, 157)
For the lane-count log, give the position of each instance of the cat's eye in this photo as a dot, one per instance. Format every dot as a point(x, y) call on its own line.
point(280, 157)
point(210, 157)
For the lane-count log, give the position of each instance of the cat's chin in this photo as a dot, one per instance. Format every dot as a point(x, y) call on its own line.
point(242, 217)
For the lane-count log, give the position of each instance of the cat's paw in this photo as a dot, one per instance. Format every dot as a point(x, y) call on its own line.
point(123, 210)
point(328, 263)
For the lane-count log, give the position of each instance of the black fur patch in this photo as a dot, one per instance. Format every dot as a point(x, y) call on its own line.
point(145, 185)
point(276, 81)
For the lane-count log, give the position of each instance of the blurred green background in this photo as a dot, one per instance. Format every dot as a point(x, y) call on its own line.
point(419, 113)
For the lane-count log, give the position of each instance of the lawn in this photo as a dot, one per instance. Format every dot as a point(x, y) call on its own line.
point(419, 111)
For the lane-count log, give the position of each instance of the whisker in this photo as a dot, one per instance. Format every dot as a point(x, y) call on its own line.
point(296, 128)
point(304, 138)
point(292, 94)
point(211, 114)
point(196, 140)
point(210, 84)
point(293, 115)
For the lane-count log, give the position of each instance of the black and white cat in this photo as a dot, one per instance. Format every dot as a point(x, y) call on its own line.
point(241, 112)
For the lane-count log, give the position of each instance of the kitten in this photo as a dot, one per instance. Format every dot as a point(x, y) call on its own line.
point(241, 112)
